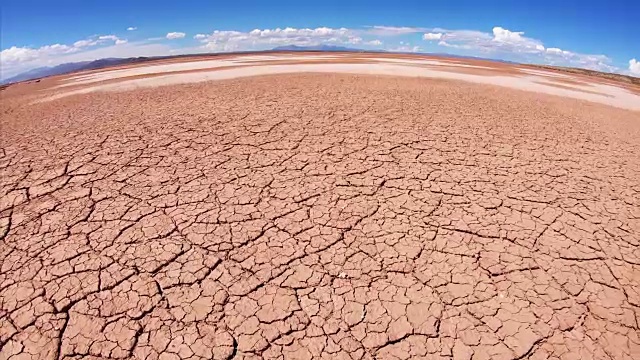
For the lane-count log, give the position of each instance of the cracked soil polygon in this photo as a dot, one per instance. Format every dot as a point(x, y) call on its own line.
point(319, 216)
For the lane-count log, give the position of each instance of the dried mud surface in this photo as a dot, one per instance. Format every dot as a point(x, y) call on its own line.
point(319, 216)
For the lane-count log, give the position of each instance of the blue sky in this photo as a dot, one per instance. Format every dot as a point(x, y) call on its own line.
point(599, 35)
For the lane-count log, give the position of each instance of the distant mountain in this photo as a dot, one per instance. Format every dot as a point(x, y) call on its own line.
point(46, 71)
point(69, 68)
point(315, 48)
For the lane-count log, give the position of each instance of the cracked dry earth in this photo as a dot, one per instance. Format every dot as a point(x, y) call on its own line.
point(316, 216)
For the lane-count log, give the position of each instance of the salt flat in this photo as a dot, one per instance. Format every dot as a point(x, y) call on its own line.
point(509, 76)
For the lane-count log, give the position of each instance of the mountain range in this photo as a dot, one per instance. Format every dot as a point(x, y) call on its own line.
point(67, 68)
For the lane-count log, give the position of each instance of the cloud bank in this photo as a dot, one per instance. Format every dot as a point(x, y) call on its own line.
point(514, 45)
point(175, 35)
point(259, 39)
point(634, 66)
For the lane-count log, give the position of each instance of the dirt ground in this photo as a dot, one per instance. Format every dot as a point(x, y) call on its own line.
point(309, 216)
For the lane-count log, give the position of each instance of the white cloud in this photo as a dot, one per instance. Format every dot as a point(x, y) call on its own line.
point(454, 46)
point(175, 35)
point(97, 40)
point(393, 30)
point(260, 39)
point(432, 36)
point(464, 35)
point(514, 45)
point(515, 41)
point(556, 51)
point(405, 48)
point(374, 42)
point(132, 28)
point(15, 60)
point(108, 37)
point(634, 67)
point(16, 54)
point(293, 33)
point(85, 43)
point(500, 34)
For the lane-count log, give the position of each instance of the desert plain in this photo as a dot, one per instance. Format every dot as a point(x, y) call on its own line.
point(320, 206)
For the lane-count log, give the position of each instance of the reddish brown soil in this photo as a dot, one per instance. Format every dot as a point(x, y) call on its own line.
point(318, 216)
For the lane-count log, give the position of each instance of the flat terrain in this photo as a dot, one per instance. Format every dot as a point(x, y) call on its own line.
point(308, 207)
